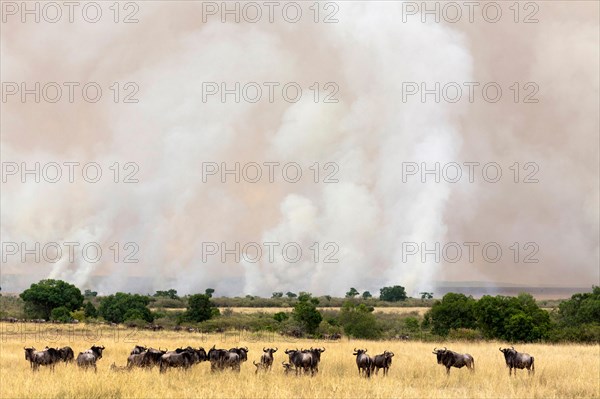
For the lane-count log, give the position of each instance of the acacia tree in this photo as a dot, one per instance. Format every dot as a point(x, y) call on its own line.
point(46, 295)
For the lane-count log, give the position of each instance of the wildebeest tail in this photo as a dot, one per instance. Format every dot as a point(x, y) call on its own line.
point(532, 364)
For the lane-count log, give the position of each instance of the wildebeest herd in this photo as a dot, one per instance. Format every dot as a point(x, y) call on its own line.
point(299, 360)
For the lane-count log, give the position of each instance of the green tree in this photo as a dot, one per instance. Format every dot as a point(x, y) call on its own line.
point(291, 295)
point(499, 317)
point(352, 293)
point(61, 314)
point(200, 308)
point(89, 293)
point(120, 307)
point(40, 298)
point(172, 294)
point(306, 314)
point(583, 308)
point(90, 310)
point(358, 321)
point(392, 294)
point(209, 292)
point(426, 295)
point(453, 311)
point(367, 295)
point(277, 295)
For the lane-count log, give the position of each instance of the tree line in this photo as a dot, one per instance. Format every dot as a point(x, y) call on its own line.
point(455, 316)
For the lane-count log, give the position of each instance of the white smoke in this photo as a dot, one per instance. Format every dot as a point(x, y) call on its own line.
point(171, 132)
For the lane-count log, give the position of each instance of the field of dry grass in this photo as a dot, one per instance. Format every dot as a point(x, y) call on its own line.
point(562, 371)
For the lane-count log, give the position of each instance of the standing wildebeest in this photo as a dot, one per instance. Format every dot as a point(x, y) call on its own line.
point(316, 354)
point(242, 352)
point(363, 362)
point(47, 357)
point(305, 359)
point(138, 349)
point(177, 358)
point(383, 361)
point(89, 357)
point(452, 359)
point(65, 353)
point(267, 357)
point(516, 360)
point(221, 359)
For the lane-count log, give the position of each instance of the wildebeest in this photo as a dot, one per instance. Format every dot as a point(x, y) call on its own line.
point(138, 349)
point(65, 353)
point(516, 360)
point(305, 359)
point(47, 357)
point(363, 362)
point(221, 359)
point(452, 359)
point(182, 358)
point(287, 368)
point(89, 357)
point(242, 352)
point(259, 367)
point(383, 361)
point(267, 357)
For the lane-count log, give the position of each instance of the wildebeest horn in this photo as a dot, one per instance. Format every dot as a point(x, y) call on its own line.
point(264, 349)
point(445, 349)
point(354, 349)
point(513, 348)
point(246, 349)
point(323, 350)
point(102, 346)
point(500, 349)
point(391, 353)
point(276, 349)
point(366, 350)
point(435, 349)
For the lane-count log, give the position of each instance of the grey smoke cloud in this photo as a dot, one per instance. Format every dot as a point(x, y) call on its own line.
point(171, 132)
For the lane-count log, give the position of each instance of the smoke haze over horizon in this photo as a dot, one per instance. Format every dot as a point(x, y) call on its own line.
point(368, 137)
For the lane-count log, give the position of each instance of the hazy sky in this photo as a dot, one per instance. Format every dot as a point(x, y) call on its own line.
point(360, 121)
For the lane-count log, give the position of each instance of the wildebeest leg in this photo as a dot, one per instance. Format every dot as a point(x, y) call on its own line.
point(447, 370)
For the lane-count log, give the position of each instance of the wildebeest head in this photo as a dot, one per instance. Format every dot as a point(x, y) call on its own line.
point(317, 353)
point(439, 354)
point(97, 350)
point(29, 353)
point(269, 350)
point(358, 352)
point(388, 357)
point(287, 367)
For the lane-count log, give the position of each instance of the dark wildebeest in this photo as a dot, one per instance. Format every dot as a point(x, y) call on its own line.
point(452, 359)
point(305, 359)
point(182, 358)
point(221, 359)
point(47, 357)
point(383, 361)
point(138, 349)
point(242, 352)
point(89, 357)
point(216, 358)
point(363, 362)
point(65, 354)
point(267, 357)
point(300, 360)
point(516, 360)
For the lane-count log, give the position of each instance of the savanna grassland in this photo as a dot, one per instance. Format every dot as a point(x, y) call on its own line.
point(562, 371)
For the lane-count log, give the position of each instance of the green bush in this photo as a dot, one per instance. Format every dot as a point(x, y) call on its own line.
point(358, 321)
point(62, 314)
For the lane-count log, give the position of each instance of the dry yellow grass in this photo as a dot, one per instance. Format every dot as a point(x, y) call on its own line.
point(562, 371)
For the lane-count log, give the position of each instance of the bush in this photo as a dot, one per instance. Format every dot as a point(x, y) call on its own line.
point(452, 312)
point(120, 307)
point(465, 334)
point(200, 308)
point(61, 314)
point(359, 321)
point(392, 294)
point(306, 314)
